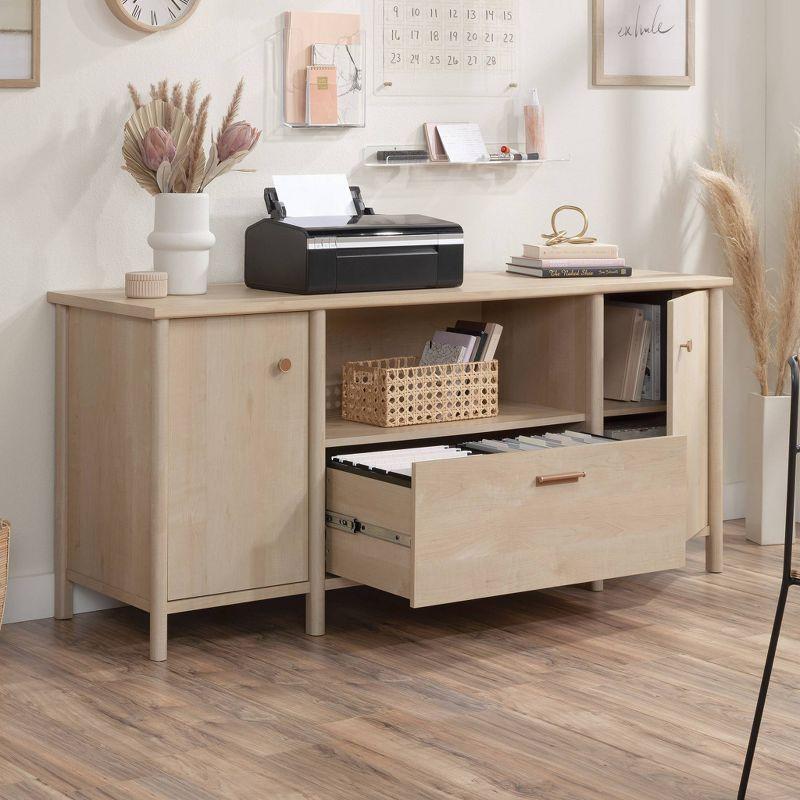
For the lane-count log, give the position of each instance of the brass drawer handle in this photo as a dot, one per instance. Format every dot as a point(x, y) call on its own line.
point(567, 477)
point(687, 346)
point(285, 364)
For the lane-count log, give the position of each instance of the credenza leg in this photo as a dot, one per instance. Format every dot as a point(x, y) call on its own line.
point(714, 555)
point(315, 601)
point(158, 636)
point(63, 587)
point(158, 492)
point(596, 586)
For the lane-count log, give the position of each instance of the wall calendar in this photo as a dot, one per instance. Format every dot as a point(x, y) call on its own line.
point(446, 47)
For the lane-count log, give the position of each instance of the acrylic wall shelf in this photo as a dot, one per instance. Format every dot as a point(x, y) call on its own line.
point(371, 158)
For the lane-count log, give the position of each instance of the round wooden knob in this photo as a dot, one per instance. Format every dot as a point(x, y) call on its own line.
point(285, 364)
point(687, 346)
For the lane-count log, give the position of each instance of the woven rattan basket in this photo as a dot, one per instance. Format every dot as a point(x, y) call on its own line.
point(5, 536)
point(391, 392)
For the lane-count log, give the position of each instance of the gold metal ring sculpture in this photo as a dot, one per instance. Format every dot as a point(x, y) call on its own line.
point(561, 237)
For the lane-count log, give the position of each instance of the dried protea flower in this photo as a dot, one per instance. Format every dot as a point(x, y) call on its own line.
point(157, 147)
point(241, 136)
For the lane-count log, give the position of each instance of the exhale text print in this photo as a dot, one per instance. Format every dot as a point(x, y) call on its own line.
point(655, 27)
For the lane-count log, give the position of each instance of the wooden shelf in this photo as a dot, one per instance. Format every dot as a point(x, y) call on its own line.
point(341, 433)
point(619, 408)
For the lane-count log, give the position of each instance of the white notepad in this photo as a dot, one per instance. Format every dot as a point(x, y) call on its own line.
point(463, 142)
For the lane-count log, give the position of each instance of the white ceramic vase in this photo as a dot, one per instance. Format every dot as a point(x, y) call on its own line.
point(181, 241)
point(767, 460)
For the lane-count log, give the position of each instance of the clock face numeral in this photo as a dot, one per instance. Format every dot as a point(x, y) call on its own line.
point(157, 13)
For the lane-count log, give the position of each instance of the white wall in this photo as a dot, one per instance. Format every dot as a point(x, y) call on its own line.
point(782, 116)
point(70, 218)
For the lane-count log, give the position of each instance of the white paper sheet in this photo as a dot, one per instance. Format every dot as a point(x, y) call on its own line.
point(463, 142)
point(315, 195)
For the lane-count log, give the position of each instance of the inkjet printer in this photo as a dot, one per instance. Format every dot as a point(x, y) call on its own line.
point(365, 252)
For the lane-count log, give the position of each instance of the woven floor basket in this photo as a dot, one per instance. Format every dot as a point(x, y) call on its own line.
point(5, 536)
point(391, 392)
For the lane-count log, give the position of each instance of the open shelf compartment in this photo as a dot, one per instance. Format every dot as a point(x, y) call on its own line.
point(542, 363)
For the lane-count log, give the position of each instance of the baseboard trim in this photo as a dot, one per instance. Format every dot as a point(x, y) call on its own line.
point(734, 500)
point(32, 596)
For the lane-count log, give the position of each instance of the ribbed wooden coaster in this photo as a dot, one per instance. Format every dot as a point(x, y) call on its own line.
point(391, 392)
point(145, 285)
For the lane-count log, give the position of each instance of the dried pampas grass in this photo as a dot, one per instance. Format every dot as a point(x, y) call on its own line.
point(773, 324)
point(233, 108)
point(135, 97)
point(196, 164)
point(728, 205)
point(191, 100)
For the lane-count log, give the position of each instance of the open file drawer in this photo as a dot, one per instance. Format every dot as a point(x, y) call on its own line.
point(495, 524)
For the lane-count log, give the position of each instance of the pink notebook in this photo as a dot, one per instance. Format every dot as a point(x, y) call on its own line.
point(323, 102)
point(304, 29)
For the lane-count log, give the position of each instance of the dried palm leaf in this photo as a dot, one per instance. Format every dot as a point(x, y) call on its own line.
point(153, 115)
point(216, 168)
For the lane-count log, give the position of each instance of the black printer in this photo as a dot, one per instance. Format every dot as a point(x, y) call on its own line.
point(366, 252)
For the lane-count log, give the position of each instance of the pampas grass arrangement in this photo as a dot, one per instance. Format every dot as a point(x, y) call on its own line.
point(772, 320)
point(163, 139)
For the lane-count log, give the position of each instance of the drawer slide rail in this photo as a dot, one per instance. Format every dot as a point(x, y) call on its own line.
point(348, 524)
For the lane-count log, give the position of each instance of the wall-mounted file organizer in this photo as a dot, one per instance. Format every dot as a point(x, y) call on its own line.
point(303, 94)
point(394, 155)
point(460, 48)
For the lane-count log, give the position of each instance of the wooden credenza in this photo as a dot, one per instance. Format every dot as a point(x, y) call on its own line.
point(192, 432)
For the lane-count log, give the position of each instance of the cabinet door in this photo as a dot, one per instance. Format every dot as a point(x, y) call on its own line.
point(238, 453)
point(687, 400)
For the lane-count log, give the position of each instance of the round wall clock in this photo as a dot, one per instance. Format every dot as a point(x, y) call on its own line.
point(152, 15)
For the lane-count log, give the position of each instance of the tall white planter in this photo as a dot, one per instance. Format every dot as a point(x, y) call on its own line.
point(767, 460)
point(181, 241)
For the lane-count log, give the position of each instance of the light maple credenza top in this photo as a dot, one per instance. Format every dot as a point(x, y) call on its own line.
point(232, 299)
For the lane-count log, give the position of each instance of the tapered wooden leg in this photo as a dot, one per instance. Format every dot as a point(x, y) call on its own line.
point(714, 555)
point(158, 636)
point(158, 493)
point(63, 587)
point(315, 601)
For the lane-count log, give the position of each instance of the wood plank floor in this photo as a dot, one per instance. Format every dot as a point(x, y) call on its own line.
point(643, 691)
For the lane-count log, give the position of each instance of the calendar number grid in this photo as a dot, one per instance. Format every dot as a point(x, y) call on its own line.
point(458, 47)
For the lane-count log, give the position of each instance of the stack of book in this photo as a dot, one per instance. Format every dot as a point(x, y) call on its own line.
point(633, 363)
point(464, 342)
point(569, 261)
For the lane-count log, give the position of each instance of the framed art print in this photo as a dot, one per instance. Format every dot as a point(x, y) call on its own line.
point(643, 42)
point(20, 37)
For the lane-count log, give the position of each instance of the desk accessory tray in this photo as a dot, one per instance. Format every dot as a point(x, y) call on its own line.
point(393, 392)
